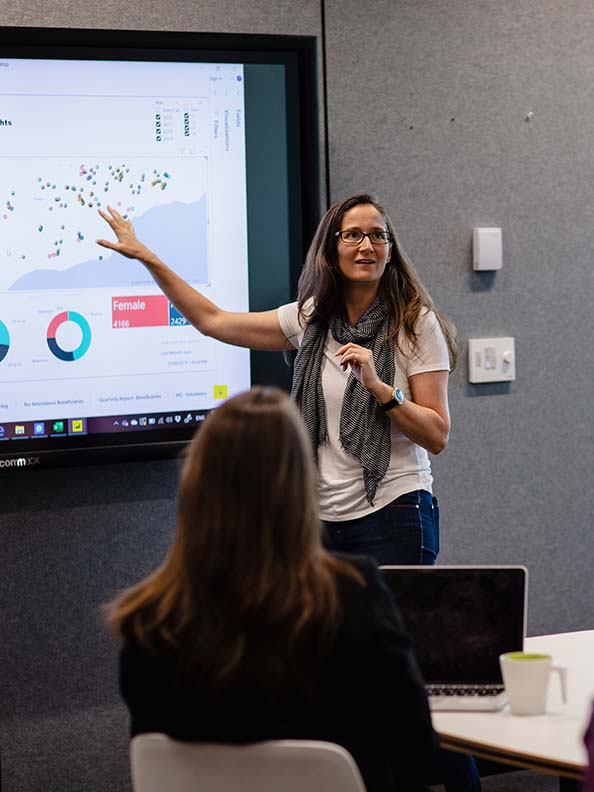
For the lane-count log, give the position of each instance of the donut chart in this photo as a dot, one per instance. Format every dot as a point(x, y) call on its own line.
point(55, 348)
point(4, 341)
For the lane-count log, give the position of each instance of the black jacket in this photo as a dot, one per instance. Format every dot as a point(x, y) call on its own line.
point(368, 695)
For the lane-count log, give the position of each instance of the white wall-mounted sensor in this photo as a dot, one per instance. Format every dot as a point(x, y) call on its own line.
point(486, 249)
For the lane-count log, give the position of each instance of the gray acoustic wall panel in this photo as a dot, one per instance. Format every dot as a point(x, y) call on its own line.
point(282, 17)
point(462, 114)
point(70, 540)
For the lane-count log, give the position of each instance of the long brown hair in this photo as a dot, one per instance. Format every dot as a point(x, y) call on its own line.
point(322, 281)
point(246, 587)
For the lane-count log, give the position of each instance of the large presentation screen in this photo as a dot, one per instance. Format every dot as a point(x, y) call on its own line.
point(92, 353)
point(88, 339)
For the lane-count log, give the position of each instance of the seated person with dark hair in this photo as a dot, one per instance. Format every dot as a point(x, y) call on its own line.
point(250, 630)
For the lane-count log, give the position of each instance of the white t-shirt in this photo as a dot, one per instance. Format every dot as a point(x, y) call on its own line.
point(341, 489)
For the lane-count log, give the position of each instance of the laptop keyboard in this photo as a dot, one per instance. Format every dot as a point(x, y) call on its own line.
point(464, 690)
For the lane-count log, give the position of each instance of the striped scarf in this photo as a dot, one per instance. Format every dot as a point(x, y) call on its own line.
point(364, 427)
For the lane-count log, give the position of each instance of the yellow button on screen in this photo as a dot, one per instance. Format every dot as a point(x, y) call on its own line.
point(77, 426)
point(220, 391)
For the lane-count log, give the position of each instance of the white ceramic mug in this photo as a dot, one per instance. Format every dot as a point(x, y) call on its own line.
point(526, 680)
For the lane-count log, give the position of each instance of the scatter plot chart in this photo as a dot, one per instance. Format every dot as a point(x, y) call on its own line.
point(49, 221)
point(4, 341)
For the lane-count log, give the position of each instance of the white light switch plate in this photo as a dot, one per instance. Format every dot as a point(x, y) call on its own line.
point(491, 360)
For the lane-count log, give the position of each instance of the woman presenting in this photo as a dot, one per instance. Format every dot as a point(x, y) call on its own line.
point(370, 374)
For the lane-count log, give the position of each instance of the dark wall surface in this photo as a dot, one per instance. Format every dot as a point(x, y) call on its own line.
point(70, 540)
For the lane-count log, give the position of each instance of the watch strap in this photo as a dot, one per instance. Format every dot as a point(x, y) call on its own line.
point(395, 401)
point(388, 405)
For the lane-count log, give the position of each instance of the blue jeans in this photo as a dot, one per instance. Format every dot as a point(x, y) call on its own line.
point(406, 531)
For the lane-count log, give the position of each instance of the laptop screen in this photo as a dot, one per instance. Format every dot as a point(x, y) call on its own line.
point(461, 618)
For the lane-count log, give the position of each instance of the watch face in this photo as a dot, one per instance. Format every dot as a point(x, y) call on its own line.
point(398, 395)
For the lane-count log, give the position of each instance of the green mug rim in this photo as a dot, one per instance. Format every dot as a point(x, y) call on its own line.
point(523, 656)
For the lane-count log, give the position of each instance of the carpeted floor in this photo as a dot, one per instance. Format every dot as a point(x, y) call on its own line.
point(521, 781)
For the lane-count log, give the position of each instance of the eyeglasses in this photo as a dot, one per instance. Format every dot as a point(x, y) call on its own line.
point(356, 237)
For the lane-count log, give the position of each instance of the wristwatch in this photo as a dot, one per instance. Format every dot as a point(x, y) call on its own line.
point(395, 401)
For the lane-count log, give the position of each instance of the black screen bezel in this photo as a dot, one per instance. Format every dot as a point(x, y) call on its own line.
point(298, 55)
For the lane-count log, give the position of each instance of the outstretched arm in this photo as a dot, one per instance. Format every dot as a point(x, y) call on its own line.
point(254, 330)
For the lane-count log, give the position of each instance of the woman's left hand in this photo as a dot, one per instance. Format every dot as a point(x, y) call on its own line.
point(425, 417)
point(360, 359)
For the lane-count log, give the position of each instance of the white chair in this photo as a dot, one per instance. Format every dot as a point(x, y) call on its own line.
point(160, 764)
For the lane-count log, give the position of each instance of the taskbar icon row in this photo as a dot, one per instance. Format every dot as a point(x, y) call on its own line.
point(144, 422)
point(119, 423)
point(108, 424)
point(61, 427)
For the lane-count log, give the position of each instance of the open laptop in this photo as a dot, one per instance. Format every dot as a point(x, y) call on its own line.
point(461, 618)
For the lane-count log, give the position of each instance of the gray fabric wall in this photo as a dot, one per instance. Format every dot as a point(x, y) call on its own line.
point(427, 107)
point(428, 104)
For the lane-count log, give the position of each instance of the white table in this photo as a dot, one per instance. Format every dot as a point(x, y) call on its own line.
point(550, 743)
